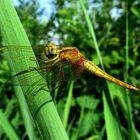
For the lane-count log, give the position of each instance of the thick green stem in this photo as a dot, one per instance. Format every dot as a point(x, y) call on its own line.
point(39, 100)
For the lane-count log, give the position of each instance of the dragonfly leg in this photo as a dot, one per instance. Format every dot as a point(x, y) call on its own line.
point(62, 72)
point(48, 61)
point(55, 62)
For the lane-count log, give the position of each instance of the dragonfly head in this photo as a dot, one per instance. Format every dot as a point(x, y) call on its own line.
point(51, 50)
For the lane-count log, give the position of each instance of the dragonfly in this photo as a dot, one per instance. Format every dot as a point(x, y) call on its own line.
point(75, 58)
point(58, 58)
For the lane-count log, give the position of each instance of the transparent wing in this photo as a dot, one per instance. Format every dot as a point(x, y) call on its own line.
point(52, 74)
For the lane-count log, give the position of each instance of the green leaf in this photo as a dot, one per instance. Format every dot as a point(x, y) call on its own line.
point(7, 127)
point(38, 99)
point(87, 102)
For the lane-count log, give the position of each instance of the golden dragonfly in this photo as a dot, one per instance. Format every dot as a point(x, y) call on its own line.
point(58, 57)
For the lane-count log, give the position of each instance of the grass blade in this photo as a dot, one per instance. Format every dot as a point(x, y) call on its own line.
point(6, 126)
point(131, 126)
point(68, 105)
point(111, 118)
point(39, 100)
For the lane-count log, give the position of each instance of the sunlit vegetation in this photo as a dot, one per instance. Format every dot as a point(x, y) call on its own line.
point(83, 105)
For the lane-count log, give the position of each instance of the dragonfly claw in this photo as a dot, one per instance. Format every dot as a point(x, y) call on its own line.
point(32, 58)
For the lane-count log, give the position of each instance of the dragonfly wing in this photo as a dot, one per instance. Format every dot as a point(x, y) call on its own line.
point(24, 73)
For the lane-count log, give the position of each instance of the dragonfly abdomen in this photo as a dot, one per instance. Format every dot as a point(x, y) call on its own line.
point(100, 73)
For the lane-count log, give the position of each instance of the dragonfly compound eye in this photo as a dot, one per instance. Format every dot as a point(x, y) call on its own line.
point(52, 49)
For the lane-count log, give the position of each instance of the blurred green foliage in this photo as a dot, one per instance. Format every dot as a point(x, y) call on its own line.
point(67, 27)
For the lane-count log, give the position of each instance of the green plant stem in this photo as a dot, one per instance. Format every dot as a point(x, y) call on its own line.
point(111, 117)
point(39, 100)
point(128, 101)
point(68, 105)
